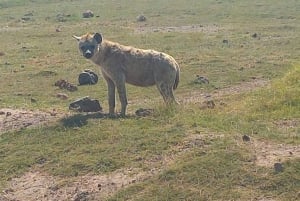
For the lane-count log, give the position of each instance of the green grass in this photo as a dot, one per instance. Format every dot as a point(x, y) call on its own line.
point(35, 56)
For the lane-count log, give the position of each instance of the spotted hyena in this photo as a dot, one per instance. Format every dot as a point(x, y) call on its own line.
point(122, 64)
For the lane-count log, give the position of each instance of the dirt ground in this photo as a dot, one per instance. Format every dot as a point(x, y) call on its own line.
point(16, 119)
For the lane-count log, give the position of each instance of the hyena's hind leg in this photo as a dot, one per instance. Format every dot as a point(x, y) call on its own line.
point(166, 90)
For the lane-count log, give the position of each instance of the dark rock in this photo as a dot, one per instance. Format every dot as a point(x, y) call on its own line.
point(278, 167)
point(25, 18)
point(144, 112)
point(87, 77)
point(225, 41)
point(85, 104)
point(254, 35)
point(61, 17)
point(33, 100)
point(88, 14)
point(201, 80)
point(246, 138)
point(141, 18)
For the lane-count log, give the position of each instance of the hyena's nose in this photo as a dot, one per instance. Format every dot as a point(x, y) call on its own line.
point(88, 54)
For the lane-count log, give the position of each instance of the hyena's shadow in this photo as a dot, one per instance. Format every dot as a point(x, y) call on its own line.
point(81, 119)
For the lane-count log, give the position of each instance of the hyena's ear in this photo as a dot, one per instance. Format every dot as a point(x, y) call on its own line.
point(77, 37)
point(98, 37)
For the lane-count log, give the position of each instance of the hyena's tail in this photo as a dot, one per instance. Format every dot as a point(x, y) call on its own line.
point(176, 78)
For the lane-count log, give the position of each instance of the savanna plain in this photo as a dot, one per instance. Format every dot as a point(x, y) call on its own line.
point(234, 136)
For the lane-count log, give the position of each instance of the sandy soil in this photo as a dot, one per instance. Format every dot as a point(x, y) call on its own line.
point(16, 119)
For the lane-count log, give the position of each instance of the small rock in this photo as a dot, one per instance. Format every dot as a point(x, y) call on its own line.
point(88, 14)
point(62, 96)
point(208, 104)
point(25, 18)
point(33, 100)
point(2, 53)
point(81, 196)
point(29, 14)
point(141, 18)
point(61, 17)
point(278, 167)
point(225, 41)
point(246, 138)
point(201, 80)
point(85, 104)
point(254, 35)
point(53, 113)
point(144, 112)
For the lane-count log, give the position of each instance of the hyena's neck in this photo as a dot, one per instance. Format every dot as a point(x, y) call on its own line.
point(104, 50)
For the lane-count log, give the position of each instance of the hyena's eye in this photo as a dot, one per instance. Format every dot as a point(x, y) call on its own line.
point(87, 47)
point(83, 48)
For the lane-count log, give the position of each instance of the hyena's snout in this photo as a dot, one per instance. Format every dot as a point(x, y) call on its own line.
point(87, 50)
point(88, 54)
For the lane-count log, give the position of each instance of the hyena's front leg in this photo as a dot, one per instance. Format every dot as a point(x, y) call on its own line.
point(120, 84)
point(111, 95)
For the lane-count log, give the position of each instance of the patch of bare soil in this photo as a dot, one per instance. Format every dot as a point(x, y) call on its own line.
point(35, 185)
point(16, 119)
point(290, 126)
point(268, 153)
point(185, 29)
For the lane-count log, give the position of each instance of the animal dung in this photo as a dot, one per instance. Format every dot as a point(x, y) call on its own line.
point(64, 84)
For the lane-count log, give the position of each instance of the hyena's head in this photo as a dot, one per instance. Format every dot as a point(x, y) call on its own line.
point(88, 44)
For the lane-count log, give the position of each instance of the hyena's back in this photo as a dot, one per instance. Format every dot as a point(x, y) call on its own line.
point(144, 67)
